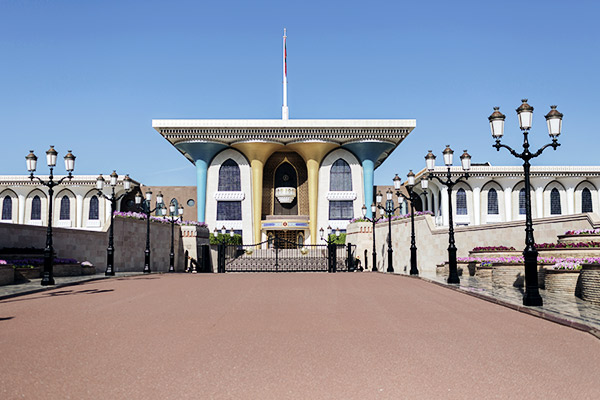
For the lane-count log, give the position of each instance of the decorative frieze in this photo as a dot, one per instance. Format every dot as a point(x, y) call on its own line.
point(229, 196)
point(341, 196)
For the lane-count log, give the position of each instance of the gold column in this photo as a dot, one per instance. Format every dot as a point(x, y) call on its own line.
point(313, 153)
point(257, 153)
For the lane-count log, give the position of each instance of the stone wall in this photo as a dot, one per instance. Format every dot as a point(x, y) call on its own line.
point(432, 241)
point(84, 245)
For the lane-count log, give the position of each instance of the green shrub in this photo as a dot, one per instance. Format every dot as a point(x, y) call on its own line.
point(226, 239)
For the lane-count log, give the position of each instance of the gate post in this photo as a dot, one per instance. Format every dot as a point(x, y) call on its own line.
point(334, 247)
point(276, 253)
point(221, 258)
point(349, 259)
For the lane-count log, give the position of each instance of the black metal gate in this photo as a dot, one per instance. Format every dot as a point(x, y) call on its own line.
point(280, 255)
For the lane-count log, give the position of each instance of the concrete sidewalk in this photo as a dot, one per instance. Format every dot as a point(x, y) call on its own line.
point(563, 309)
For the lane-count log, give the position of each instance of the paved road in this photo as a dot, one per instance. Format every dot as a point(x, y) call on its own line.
point(284, 336)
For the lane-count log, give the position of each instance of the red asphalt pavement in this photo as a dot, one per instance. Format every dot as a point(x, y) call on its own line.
point(284, 336)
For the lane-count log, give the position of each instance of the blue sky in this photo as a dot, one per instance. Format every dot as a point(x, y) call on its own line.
point(91, 75)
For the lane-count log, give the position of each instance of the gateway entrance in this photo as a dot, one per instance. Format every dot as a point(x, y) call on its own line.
point(280, 255)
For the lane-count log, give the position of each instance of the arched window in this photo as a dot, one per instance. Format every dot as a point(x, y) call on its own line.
point(93, 208)
point(522, 200)
point(7, 208)
point(65, 208)
point(492, 202)
point(555, 202)
point(586, 201)
point(461, 202)
point(340, 176)
point(176, 204)
point(36, 208)
point(229, 176)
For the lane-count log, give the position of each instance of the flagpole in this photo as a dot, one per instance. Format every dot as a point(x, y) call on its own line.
point(285, 113)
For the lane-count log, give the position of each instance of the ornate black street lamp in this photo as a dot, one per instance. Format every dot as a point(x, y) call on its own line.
point(145, 208)
point(412, 197)
point(531, 296)
point(110, 250)
point(465, 160)
point(373, 220)
point(389, 211)
point(51, 154)
point(174, 216)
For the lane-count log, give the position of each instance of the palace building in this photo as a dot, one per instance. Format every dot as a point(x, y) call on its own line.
point(290, 176)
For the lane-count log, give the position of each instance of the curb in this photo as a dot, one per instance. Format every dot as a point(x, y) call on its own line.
point(526, 310)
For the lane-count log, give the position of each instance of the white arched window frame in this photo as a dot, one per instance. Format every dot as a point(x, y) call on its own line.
point(64, 209)
point(586, 187)
point(342, 203)
point(518, 202)
point(215, 196)
point(555, 199)
point(462, 204)
point(9, 204)
point(492, 203)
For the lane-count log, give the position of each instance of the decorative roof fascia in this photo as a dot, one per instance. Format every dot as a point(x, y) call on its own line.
point(23, 180)
point(517, 171)
point(283, 131)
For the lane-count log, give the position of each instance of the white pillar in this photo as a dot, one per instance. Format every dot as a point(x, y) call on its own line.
point(539, 201)
point(508, 203)
point(477, 205)
point(445, 215)
point(21, 217)
point(570, 199)
point(79, 212)
point(429, 196)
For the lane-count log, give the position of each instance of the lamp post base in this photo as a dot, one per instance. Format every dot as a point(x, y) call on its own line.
point(532, 299)
point(413, 261)
point(452, 266)
point(47, 280)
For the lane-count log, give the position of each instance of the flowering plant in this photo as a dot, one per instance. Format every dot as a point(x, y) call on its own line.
point(521, 260)
point(583, 232)
point(161, 220)
point(3, 262)
point(39, 261)
point(192, 223)
point(486, 264)
point(494, 248)
point(394, 217)
point(567, 245)
point(567, 265)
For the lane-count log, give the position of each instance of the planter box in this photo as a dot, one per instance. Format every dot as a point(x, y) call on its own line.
point(88, 270)
point(493, 254)
point(504, 275)
point(562, 281)
point(26, 274)
point(578, 238)
point(590, 283)
point(66, 269)
point(580, 252)
point(7, 274)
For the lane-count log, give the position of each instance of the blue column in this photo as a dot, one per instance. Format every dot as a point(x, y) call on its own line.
point(201, 153)
point(368, 152)
point(368, 175)
point(201, 169)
